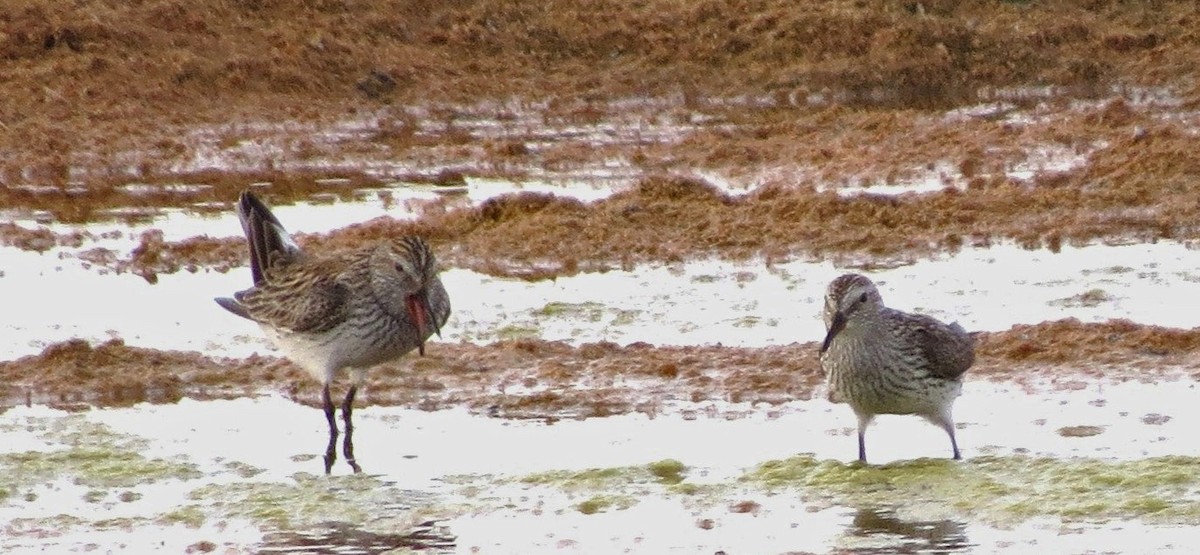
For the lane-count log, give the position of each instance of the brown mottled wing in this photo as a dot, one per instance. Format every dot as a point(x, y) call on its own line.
point(949, 350)
point(297, 300)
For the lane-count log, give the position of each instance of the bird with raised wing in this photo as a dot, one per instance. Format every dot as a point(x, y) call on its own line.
point(332, 311)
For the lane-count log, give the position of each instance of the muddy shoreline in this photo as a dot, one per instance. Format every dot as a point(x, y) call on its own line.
point(539, 379)
point(672, 219)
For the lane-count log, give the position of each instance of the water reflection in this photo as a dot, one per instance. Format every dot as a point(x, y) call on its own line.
point(347, 443)
point(888, 533)
point(346, 538)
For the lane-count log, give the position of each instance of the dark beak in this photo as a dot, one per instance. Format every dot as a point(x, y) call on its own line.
point(835, 327)
point(418, 310)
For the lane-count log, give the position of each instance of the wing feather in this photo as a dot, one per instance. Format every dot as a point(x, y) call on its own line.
point(948, 348)
point(298, 300)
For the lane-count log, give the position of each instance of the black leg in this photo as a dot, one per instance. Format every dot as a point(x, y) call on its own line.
point(953, 442)
point(348, 443)
point(330, 450)
point(864, 420)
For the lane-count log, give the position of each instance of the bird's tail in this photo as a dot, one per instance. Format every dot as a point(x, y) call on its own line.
point(270, 243)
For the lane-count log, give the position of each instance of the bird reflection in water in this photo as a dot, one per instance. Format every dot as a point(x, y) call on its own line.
point(909, 536)
point(341, 537)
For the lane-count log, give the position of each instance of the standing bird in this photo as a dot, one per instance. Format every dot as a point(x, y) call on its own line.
point(884, 361)
point(344, 310)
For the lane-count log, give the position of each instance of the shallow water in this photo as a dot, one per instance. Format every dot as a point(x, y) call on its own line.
point(694, 303)
point(242, 472)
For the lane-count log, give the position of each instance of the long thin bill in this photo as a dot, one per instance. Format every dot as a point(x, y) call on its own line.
point(418, 309)
point(835, 327)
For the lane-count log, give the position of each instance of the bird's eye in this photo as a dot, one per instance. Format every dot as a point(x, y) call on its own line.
point(862, 298)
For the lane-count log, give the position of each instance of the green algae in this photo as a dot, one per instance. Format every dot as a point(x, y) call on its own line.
point(601, 503)
point(192, 516)
point(589, 311)
point(242, 469)
point(616, 487)
point(1089, 298)
point(690, 489)
point(666, 472)
point(56, 523)
point(93, 467)
point(592, 478)
point(512, 331)
point(89, 454)
point(306, 500)
point(747, 322)
point(625, 317)
point(1001, 489)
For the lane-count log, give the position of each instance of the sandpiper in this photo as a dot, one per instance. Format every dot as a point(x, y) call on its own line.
point(332, 311)
point(883, 361)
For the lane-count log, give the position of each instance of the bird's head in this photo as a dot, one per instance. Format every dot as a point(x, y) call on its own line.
point(848, 297)
point(409, 264)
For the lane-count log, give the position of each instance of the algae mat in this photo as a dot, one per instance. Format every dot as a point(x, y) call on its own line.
point(244, 476)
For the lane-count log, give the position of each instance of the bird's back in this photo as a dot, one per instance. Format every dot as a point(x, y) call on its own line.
point(309, 295)
point(944, 350)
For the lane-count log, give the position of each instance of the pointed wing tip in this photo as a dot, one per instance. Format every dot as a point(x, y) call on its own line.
point(249, 203)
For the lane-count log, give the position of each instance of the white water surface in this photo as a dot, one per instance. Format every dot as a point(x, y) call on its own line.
point(52, 297)
point(437, 452)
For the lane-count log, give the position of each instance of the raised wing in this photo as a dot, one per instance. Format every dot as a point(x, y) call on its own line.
point(270, 244)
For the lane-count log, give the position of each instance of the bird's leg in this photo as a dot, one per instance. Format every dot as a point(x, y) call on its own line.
point(864, 420)
point(949, 427)
point(348, 443)
point(946, 422)
point(331, 449)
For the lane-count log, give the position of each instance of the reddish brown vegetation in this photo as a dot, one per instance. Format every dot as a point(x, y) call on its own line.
point(671, 219)
point(114, 374)
point(529, 378)
point(87, 84)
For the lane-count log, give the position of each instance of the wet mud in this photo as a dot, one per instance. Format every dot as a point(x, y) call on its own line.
point(522, 234)
point(531, 378)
